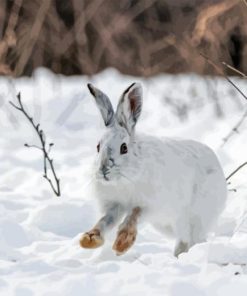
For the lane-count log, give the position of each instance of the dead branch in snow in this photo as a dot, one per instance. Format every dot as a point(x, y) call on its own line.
point(235, 129)
point(236, 170)
point(45, 148)
point(221, 72)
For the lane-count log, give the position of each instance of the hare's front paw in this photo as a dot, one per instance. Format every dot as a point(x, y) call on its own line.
point(91, 239)
point(125, 239)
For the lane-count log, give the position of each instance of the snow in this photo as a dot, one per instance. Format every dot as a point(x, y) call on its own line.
point(39, 232)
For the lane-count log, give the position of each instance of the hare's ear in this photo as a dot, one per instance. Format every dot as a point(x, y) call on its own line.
point(130, 106)
point(103, 104)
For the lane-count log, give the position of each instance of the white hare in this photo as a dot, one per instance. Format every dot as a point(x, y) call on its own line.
point(175, 184)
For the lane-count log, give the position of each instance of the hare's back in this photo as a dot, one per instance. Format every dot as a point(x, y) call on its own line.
point(202, 165)
point(183, 164)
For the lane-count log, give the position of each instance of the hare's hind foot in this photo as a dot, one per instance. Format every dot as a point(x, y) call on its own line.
point(125, 239)
point(127, 232)
point(91, 239)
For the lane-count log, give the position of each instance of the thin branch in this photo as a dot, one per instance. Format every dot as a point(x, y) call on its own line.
point(221, 72)
point(33, 146)
point(236, 170)
point(47, 160)
point(235, 129)
point(234, 69)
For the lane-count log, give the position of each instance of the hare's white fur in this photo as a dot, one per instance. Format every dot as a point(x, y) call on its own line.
point(179, 184)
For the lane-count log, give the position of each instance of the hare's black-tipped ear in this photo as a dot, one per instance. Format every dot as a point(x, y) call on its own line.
point(130, 106)
point(103, 104)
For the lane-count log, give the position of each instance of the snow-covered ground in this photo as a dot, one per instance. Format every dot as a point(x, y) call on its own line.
point(39, 233)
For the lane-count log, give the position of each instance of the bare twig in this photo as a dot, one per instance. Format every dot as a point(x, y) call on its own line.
point(221, 72)
point(234, 69)
point(47, 160)
point(235, 129)
point(236, 170)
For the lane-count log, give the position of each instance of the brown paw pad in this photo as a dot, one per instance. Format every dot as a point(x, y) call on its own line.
point(125, 239)
point(91, 240)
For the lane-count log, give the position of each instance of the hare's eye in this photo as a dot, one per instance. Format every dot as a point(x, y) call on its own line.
point(98, 147)
point(123, 148)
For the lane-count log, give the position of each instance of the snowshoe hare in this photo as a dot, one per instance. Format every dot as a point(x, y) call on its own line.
point(176, 184)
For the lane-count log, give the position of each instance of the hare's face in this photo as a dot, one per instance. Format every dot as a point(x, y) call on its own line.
point(116, 150)
point(114, 154)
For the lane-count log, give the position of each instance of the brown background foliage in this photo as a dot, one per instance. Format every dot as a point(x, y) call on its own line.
point(144, 37)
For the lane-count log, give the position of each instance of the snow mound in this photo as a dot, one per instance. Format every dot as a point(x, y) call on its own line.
point(13, 234)
point(64, 218)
